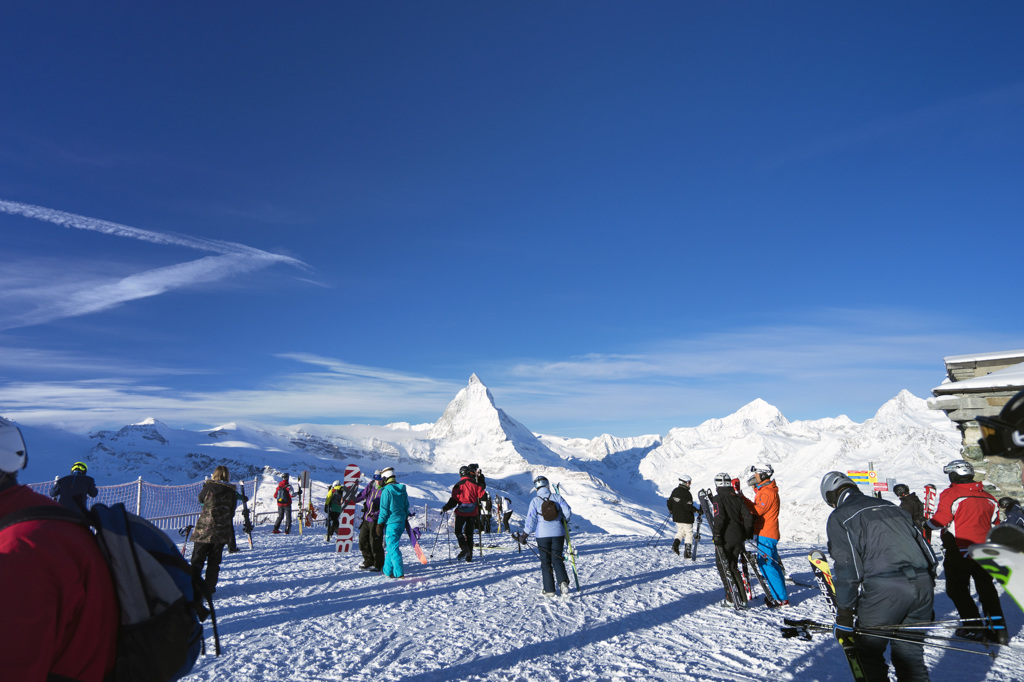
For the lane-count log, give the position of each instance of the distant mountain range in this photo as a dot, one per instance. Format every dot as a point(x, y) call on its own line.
point(616, 485)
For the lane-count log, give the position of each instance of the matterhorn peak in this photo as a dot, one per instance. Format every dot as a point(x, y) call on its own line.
point(472, 411)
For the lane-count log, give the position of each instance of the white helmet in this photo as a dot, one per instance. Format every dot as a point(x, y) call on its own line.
point(685, 480)
point(336, 484)
point(722, 480)
point(13, 453)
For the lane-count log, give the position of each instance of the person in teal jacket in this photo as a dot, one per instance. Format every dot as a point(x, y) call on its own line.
point(394, 512)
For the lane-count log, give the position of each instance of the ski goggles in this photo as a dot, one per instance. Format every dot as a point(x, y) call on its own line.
point(998, 437)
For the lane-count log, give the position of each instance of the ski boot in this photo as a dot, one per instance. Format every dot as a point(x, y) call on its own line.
point(675, 546)
point(686, 552)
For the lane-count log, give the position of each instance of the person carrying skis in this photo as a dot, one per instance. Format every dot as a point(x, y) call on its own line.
point(969, 513)
point(910, 503)
point(215, 527)
point(1014, 515)
point(546, 517)
point(61, 614)
point(465, 496)
point(681, 507)
point(371, 545)
point(884, 575)
point(284, 494)
point(394, 514)
point(71, 490)
point(765, 509)
point(733, 526)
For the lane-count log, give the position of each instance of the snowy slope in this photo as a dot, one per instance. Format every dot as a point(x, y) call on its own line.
point(293, 609)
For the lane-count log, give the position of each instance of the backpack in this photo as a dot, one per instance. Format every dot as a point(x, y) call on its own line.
point(549, 510)
point(160, 634)
point(283, 495)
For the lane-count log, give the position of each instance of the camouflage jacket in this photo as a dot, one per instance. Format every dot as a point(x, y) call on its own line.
point(217, 518)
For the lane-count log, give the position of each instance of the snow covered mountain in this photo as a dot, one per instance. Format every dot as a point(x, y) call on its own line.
point(615, 485)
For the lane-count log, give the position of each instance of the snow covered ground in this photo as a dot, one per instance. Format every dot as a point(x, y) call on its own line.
point(292, 608)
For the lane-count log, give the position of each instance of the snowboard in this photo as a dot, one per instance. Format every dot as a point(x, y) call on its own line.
point(414, 538)
point(345, 535)
point(303, 489)
point(246, 520)
point(696, 534)
point(823, 576)
point(1002, 555)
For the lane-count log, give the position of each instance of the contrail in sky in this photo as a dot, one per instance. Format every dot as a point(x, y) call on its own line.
point(48, 301)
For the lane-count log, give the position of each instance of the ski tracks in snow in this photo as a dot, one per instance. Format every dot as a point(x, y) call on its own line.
point(295, 609)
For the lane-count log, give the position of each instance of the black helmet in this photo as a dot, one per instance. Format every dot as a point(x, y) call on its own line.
point(1006, 502)
point(465, 471)
point(833, 484)
point(1004, 435)
point(284, 476)
point(901, 490)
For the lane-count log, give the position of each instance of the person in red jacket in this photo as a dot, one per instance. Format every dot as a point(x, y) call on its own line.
point(61, 614)
point(965, 513)
point(465, 496)
point(284, 494)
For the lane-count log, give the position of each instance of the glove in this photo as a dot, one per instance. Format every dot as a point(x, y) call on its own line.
point(380, 530)
point(844, 623)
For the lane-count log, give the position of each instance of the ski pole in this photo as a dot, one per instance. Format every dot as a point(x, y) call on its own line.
point(881, 634)
point(440, 522)
point(657, 533)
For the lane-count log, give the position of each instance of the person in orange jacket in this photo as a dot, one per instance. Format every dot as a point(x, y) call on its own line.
point(61, 612)
point(765, 509)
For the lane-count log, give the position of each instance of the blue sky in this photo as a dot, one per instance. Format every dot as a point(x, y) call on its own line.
point(624, 217)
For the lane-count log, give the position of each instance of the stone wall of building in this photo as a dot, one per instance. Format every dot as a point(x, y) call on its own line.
point(1001, 475)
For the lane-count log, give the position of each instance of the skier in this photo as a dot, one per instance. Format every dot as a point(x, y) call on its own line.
point(545, 518)
point(910, 503)
point(215, 527)
point(971, 512)
point(394, 513)
point(72, 489)
point(681, 506)
point(765, 509)
point(284, 494)
point(477, 475)
point(61, 613)
point(884, 575)
point(1012, 510)
point(485, 513)
point(332, 507)
point(498, 511)
point(733, 526)
point(507, 514)
point(465, 496)
point(371, 545)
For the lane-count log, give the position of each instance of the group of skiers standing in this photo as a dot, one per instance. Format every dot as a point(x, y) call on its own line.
point(737, 519)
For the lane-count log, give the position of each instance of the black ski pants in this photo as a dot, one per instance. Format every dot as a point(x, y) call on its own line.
point(505, 519)
point(960, 570)
point(889, 601)
point(211, 554)
point(332, 524)
point(371, 545)
point(726, 558)
point(464, 527)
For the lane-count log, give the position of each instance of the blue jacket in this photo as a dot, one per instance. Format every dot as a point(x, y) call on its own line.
point(536, 523)
point(394, 505)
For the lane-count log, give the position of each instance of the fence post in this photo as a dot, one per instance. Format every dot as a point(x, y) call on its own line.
point(138, 499)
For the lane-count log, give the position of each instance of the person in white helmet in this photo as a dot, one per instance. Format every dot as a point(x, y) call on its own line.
point(61, 613)
point(681, 506)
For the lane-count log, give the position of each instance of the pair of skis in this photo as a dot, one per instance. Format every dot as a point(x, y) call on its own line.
point(732, 590)
point(823, 576)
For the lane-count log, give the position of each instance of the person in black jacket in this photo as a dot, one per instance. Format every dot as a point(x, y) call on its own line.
point(680, 505)
point(884, 574)
point(215, 526)
point(733, 526)
point(71, 490)
point(910, 503)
